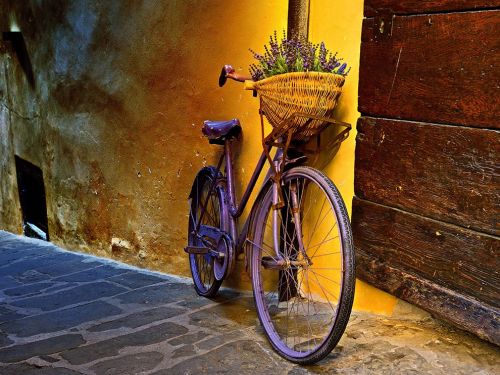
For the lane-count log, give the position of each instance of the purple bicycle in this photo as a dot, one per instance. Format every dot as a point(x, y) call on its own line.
point(297, 240)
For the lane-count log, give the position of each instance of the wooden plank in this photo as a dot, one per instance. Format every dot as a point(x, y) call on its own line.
point(449, 173)
point(419, 6)
point(455, 258)
point(464, 312)
point(440, 68)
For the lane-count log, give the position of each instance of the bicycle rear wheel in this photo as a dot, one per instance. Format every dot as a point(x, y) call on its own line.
point(204, 193)
point(304, 293)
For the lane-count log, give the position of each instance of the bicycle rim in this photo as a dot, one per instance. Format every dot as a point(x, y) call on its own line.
point(304, 305)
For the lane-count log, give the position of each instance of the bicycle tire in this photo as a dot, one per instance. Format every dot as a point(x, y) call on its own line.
point(201, 266)
point(296, 284)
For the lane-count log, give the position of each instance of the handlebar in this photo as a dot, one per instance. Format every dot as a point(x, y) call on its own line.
point(229, 72)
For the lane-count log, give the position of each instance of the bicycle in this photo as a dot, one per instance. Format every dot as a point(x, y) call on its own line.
point(297, 240)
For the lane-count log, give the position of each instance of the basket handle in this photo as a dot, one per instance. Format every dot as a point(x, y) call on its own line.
point(341, 136)
point(325, 119)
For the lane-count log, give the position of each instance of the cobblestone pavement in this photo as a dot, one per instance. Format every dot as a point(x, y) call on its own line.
point(68, 313)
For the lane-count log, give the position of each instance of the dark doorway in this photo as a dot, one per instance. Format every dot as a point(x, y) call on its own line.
point(32, 198)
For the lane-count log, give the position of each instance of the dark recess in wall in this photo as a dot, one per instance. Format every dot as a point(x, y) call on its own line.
point(32, 199)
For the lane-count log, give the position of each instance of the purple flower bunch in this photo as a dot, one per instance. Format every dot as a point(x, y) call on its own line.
point(295, 55)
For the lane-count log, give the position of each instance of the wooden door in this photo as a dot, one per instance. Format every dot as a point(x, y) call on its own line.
point(426, 215)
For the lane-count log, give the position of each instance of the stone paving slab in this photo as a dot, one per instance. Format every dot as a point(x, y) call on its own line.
point(28, 290)
point(68, 313)
point(59, 320)
point(139, 319)
point(36, 348)
point(76, 295)
point(111, 347)
point(98, 273)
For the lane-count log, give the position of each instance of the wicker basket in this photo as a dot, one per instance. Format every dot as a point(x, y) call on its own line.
point(288, 99)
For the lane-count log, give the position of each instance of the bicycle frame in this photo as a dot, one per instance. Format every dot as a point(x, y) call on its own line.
point(234, 209)
point(231, 208)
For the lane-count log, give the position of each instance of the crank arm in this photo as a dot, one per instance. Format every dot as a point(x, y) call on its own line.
point(202, 250)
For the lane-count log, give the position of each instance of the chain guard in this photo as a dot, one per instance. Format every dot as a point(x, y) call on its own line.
point(223, 265)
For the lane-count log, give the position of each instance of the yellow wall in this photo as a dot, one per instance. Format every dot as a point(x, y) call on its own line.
point(338, 24)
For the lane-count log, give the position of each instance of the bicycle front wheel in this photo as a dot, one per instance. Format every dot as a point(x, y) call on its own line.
point(303, 266)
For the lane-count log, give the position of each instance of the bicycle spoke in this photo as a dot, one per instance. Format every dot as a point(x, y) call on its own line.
point(333, 281)
point(315, 225)
point(324, 291)
point(296, 307)
point(320, 244)
point(272, 255)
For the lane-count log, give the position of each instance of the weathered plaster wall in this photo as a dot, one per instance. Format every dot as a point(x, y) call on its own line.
point(113, 120)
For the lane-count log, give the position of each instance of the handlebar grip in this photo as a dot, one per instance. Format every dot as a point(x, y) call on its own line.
point(226, 69)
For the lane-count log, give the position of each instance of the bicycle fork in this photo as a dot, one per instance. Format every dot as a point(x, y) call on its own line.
point(288, 246)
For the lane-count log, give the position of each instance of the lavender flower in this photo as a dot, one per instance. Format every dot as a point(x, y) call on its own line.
point(342, 68)
point(275, 50)
point(294, 55)
point(322, 56)
point(256, 73)
point(309, 56)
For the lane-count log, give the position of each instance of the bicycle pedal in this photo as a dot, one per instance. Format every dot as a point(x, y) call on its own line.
point(219, 255)
point(196, 249)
